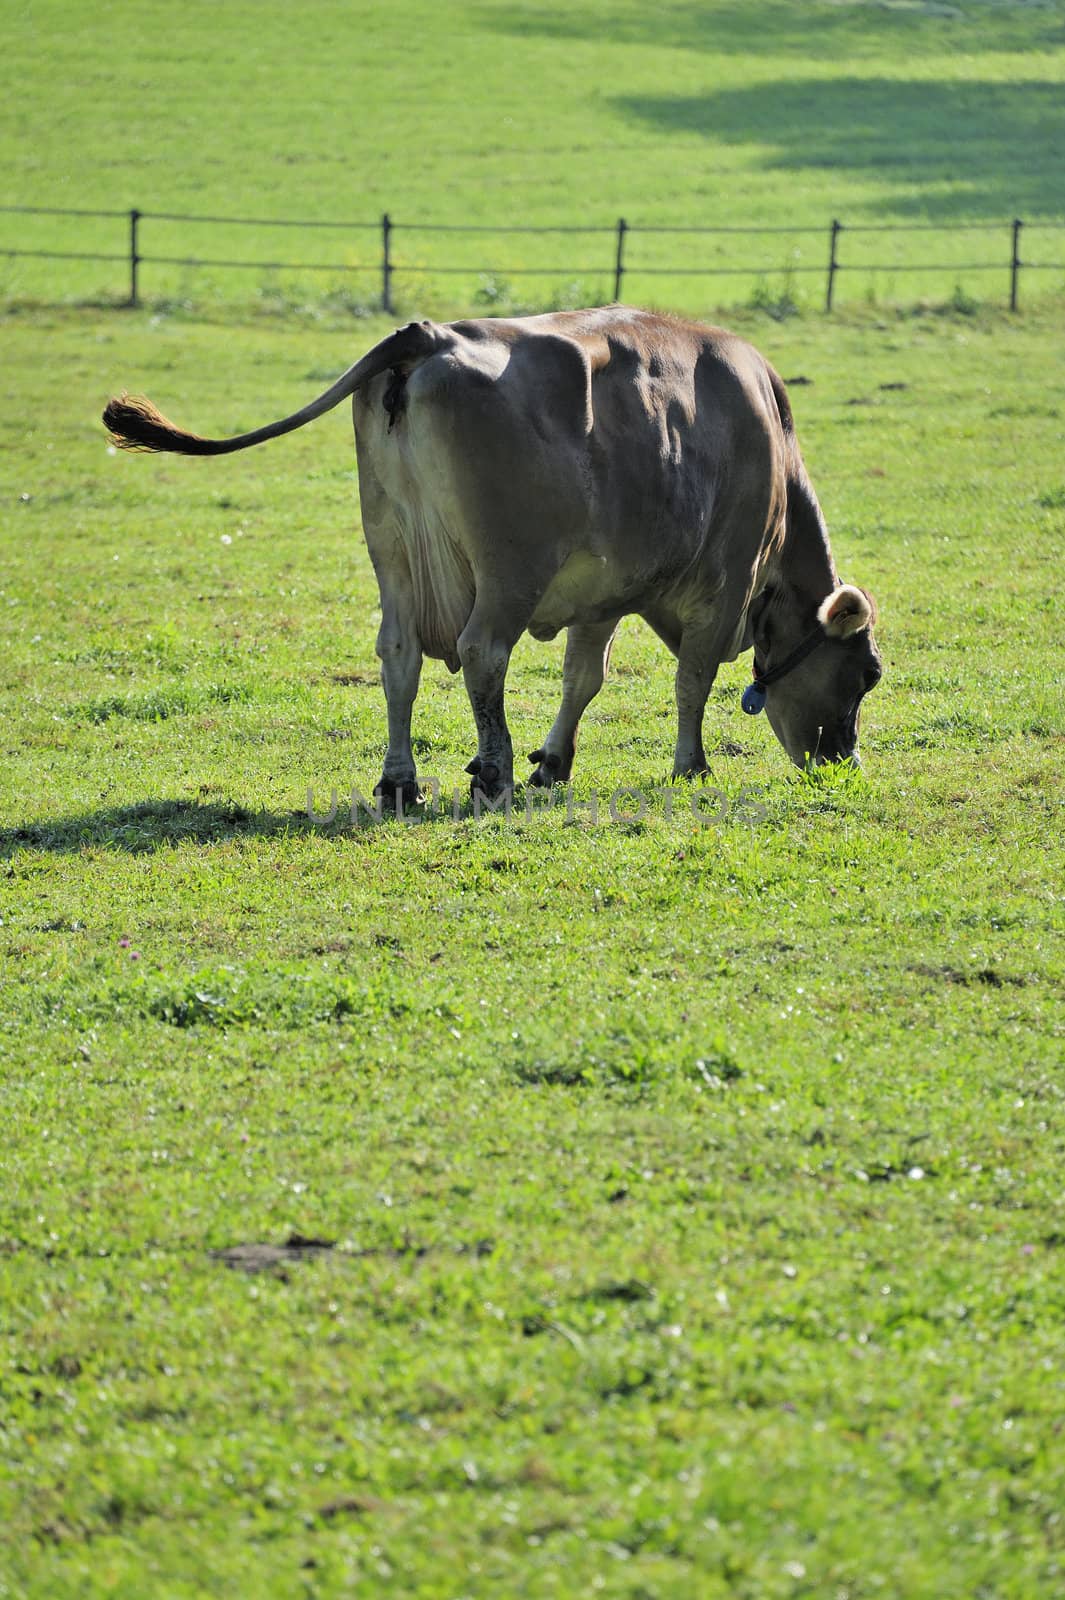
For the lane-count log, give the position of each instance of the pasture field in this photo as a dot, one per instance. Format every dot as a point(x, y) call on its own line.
point(543, 1207)
point(714, 114)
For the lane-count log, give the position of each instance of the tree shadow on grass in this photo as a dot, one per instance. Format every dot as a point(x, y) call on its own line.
point(973, 149)
point(855, 30)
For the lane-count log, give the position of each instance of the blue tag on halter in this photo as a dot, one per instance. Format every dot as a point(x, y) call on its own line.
point(753, 699)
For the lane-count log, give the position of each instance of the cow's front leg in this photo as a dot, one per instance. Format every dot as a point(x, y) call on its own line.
point(400, 652)
point(702, 646)
point(697, 663)
point(484, 648)
point(587, 656)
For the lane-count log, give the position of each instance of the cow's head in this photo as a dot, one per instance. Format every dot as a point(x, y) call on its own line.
point(812, 679)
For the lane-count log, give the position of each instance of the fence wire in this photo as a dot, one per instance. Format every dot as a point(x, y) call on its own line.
point(619, 267)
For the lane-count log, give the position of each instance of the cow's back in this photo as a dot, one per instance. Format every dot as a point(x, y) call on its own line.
point(610, 436)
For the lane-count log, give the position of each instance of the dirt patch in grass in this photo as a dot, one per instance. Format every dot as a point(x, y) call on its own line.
point(270, 1257)
point(989, 977)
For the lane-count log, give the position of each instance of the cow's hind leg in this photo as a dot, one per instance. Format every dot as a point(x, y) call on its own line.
point(587, 656)
point(400, 651)
point(484, 648)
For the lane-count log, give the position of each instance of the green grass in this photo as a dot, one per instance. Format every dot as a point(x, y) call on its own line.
point(692, 1192)
point(711, 115)
point(535, 1207)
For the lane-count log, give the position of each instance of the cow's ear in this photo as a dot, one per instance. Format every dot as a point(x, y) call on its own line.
point(846, 611)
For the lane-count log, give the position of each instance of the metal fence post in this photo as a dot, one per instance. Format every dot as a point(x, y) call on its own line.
point(1015, 261)
point(833, 262)
point(386, 263)
point(134, 256)
point(619, 259)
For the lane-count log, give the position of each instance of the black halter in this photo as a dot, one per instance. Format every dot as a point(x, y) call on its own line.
point(754, 694)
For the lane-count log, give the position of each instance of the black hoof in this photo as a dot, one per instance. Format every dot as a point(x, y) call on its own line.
point(699, 768)
point(486, 780)
point(549, 771)
point(407, 791)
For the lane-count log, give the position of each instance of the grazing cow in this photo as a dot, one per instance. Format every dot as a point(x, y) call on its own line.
point(564, 471)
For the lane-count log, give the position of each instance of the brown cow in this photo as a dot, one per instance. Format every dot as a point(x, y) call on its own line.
point(565, 471)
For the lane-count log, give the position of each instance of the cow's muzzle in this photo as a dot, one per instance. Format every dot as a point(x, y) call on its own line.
point(838, 743)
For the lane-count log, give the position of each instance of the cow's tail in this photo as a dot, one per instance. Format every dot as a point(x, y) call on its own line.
point(135, 424)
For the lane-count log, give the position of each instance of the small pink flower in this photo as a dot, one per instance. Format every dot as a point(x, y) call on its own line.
point(134, 955)
point(125, 941)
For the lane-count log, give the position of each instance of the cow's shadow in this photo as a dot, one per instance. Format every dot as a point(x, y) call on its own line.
point(150, 825)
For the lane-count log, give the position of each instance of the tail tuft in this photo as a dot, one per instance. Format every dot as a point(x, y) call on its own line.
point(135, 424)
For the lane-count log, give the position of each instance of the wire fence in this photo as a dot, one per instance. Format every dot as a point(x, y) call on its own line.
point(384, 258)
